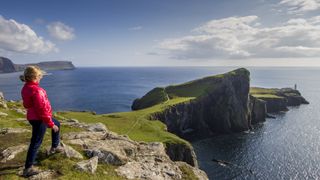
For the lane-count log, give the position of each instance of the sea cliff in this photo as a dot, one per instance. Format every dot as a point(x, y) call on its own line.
point(218, 104)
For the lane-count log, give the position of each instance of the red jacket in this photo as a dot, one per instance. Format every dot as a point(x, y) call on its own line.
point(35, 100)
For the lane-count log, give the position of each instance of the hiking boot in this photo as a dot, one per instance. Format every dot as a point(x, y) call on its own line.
point(58, 149)
point(30, 171)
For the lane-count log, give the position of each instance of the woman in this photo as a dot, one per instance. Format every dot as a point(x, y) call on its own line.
point(39, 115)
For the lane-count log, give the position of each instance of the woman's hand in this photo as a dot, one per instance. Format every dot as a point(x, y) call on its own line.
point(55, 128)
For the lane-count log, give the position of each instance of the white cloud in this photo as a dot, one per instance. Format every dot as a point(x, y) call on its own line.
point(61, 31)
point(239, 37)
point(300, 6)
point(21, 38)
point(136, 28)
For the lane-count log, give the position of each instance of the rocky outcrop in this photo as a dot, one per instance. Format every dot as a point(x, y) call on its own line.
point(135, 160)
point(7, 66)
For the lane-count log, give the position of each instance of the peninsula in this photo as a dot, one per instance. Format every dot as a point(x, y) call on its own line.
point(7, 66)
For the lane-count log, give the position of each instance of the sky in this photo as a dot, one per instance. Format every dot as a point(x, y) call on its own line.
point(102, 33)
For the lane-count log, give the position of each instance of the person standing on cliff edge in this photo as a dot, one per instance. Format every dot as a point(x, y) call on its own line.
point(39, 115)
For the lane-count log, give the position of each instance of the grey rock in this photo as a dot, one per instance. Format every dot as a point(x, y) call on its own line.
point(44, 175)
point(88, 165)
point(13, 130)
point(3, 114)
point(11, 152)
point(97, 127)
point(21, 119)
point(83, 135)
point(70, 152)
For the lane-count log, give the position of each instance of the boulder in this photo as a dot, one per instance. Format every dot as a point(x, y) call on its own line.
point(152, 162)
point(88, 165)
point(70, 152)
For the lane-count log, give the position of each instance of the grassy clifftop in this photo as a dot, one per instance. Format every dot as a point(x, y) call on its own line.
point(265, 93)
point(191, 89)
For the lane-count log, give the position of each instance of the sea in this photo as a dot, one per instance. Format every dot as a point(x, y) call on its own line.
point(286, 147)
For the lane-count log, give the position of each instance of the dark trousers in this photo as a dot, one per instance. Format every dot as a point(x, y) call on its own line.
point(38, 131)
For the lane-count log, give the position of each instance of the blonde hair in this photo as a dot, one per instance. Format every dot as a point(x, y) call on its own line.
point(31, 73)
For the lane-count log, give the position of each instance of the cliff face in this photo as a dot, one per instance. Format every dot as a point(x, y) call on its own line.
point(182, 152)
point(258, 108)
point(7, 66)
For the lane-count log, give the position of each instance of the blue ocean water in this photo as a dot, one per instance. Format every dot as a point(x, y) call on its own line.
point(287, 147)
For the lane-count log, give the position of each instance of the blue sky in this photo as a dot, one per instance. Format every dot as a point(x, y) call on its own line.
point(162, 33)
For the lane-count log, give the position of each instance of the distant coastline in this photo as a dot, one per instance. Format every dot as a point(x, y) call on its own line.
point(7, 65)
